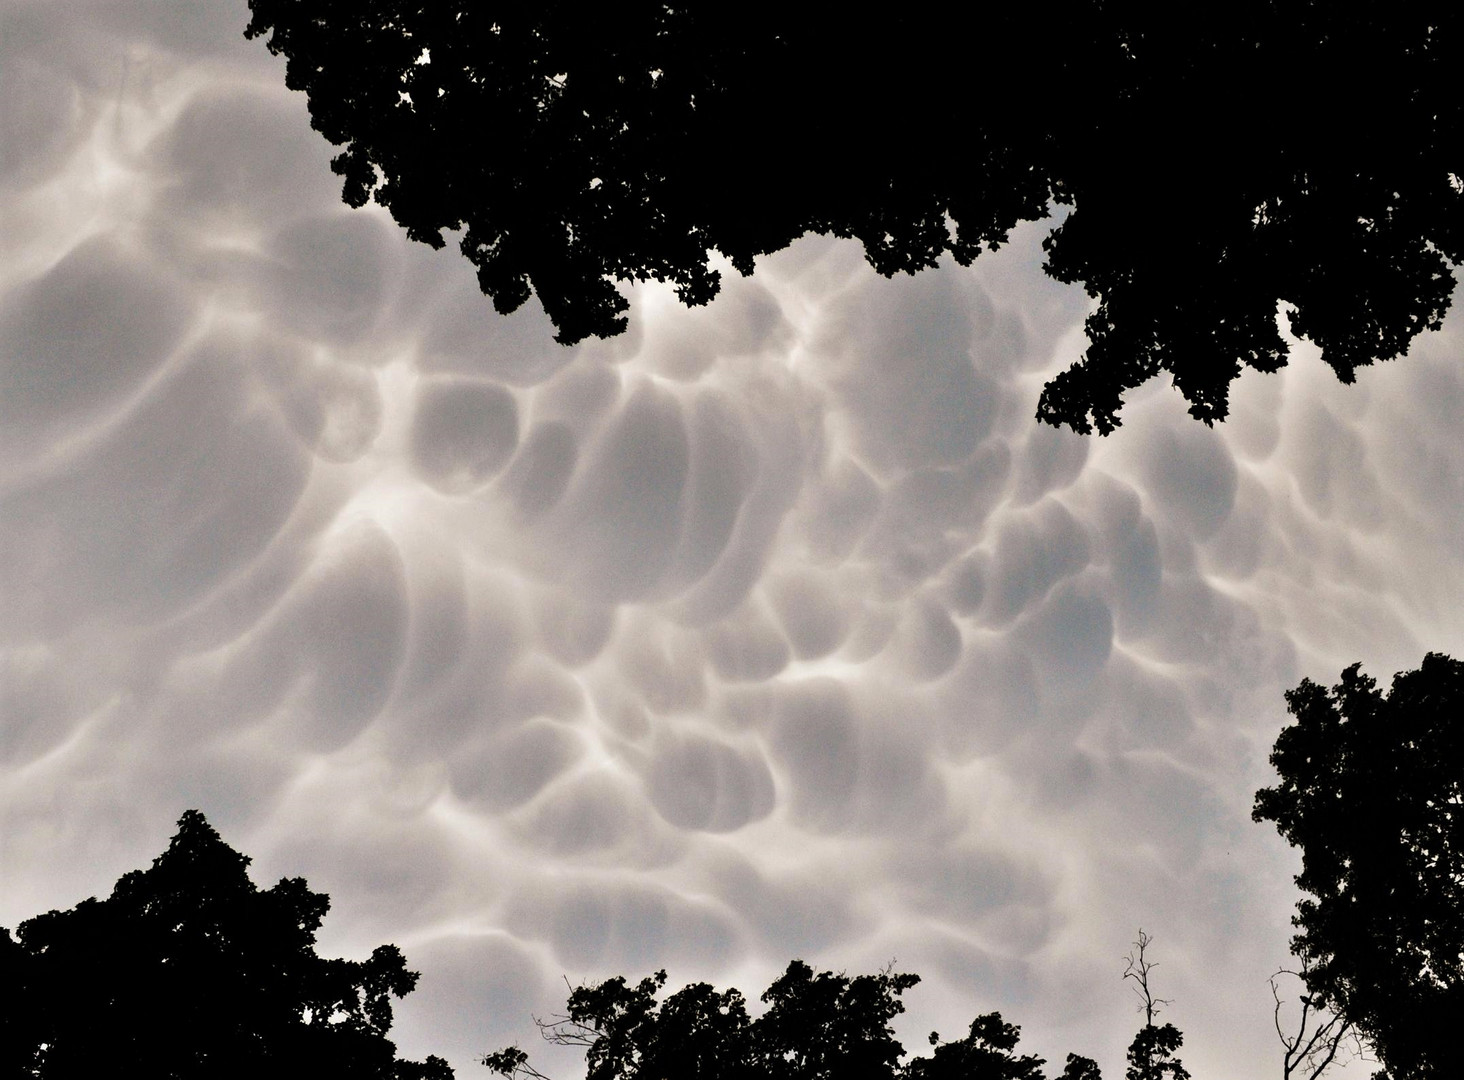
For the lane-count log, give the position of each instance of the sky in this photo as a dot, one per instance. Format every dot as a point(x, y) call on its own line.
point(774, 629)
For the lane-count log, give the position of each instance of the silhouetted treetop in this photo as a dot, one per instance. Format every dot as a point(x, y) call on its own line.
point(1372, 792)
point(988, 1051)
point(817, 1026)
point(1151, 1056)
point(189, 971)
point(1209, 162)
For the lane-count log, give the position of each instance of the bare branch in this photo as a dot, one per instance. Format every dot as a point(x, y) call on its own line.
point(562, 1030)
point(1137, 968)
point(565, 1031)
point(1320, 1035)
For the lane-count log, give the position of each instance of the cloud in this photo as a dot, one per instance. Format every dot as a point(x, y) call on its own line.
point(79, 340)
point(463, 433)
point(702, 784)
point(156, 511)
point(235, 165)
point(900, 355)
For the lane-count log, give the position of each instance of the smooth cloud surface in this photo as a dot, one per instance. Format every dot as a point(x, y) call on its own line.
point(773, 629)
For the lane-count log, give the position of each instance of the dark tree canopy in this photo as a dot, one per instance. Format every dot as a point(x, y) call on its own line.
point(189, 971)
point(1372, 792)
point(1210, 161)
point(1151, 1056)
point(817, 1026)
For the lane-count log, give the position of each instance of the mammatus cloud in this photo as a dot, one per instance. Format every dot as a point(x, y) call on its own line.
point(778, 628)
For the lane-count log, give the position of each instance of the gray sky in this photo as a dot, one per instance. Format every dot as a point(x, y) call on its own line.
point(774, 629)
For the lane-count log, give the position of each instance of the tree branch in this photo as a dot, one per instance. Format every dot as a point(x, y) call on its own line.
point(1137, 968)
point(1307, 1054)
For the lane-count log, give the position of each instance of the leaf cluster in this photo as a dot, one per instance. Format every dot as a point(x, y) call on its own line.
point(1210, 162)
point(1372, 792)
point(816, 1026)
point(1151, 1056)
point(189, 970)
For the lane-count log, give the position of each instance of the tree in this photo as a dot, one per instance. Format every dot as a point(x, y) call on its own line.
point(988, 1052)
point(1211, 162)
point(20, 1019)
point(187, 970)
point(1372, 792)
point(1151, 1054)
point(1320, 1035)
point(817, 1026)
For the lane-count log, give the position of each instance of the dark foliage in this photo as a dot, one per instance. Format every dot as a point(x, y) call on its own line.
point(987, 1051)
point(1372, 792)
point(815, 1027)
point(1151, 1056)
point(1210, 161)
point(189, 971)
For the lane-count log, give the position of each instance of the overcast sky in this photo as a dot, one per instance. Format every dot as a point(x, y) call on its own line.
point(774, 629)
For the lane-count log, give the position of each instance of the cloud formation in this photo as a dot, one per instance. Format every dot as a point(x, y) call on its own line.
point(776, 628)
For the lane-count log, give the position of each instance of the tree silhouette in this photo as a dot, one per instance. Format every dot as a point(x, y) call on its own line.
point(988, 1052)
point(189, 971)
point(1319, 1036)
point(817, 1026)
point(1372, 792)
point(1151, 1054)
point(1210, 162)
